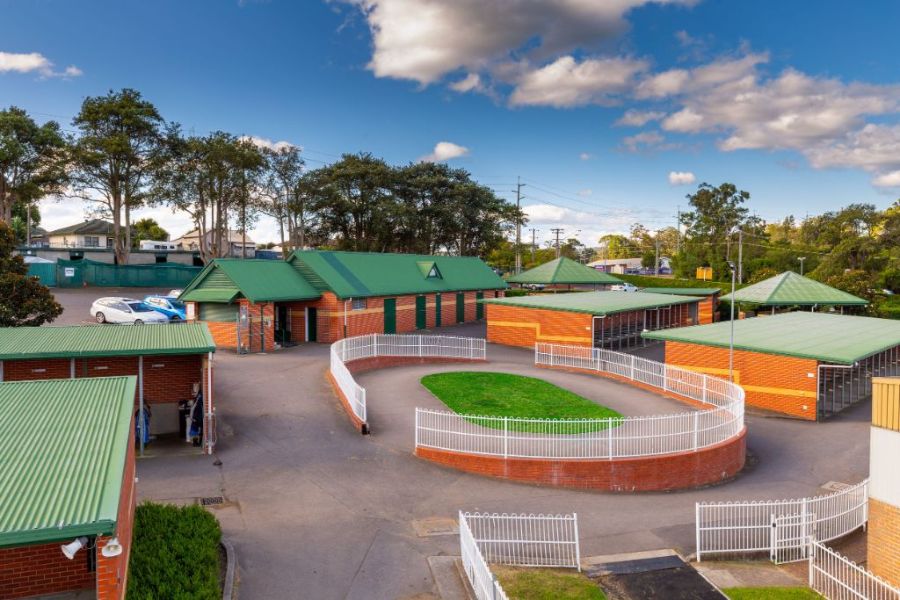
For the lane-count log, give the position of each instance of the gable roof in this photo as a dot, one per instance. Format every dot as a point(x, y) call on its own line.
point(841, 339)
point(595, 303)
point(789, 288)
point(77, 341)
point(365, 274)
point(62, 457)
point(257, 280)
point(562, 271)
point(91, 227)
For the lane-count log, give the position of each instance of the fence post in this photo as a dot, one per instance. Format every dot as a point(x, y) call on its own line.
point(812, 550)
point(609, 431)
point(697, 527)
point(419, 344)
point(505, 437)
point(665, 385)
point(632, 367)
point(696, 429)
point(705, 383)
point(417, 429)
point(577, 543)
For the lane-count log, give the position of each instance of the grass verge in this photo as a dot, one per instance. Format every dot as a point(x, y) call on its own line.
point(546, 584)
point(771, 593)
point(505, 395)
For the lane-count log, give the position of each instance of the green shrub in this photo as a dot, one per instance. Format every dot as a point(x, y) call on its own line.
point(514, 292)
point(174, 553)
point(669, 282)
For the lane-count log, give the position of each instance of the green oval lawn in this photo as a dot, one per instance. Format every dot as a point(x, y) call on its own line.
point(505, 395)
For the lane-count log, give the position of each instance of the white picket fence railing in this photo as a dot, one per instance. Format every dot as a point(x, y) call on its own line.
point(780, 527)
point(622, 437)
point(410, 346)
point(524, 540)
point(838, 578)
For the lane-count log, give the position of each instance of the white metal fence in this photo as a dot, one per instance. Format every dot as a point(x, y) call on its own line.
point(621, 437)
point(517, 540)
point(412, 346)
point(780, 527)
point(838, 578)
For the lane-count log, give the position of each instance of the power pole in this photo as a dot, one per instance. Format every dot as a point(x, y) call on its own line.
point(533, 231)
point(518, 191)
point(557, 232)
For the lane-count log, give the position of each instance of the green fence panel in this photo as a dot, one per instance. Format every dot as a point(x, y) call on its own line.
point(92, 273)
point(46, 272)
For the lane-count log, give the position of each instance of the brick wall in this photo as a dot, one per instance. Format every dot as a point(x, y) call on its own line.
point(42, 569)
point(518, 326)
point(772, 382)
point(657, 473)
point(706, 310)
point(29, 370)
point(112, 573)
point(884, 540)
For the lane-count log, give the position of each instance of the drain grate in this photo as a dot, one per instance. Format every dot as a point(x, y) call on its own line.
point(212, 500)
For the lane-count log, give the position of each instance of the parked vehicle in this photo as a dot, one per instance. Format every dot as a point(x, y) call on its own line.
point(168, 305)
point(623, 287)
point(174, 293)
point(125, 310)
point(534, 286)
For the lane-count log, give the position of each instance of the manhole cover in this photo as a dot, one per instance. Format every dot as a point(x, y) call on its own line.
point(212, 500)
point(835, 486)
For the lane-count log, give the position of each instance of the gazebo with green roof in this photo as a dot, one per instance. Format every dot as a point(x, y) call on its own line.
point(564, 272)
point(791, 289)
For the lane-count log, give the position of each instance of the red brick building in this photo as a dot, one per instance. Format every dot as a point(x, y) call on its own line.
point(67, 473)
point(171, 362)
point(323, 296)
point(709, 300)
point(802, 364)
point(612, 320)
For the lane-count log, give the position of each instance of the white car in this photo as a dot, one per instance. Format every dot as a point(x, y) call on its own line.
point(125, 310)
point(623, 287)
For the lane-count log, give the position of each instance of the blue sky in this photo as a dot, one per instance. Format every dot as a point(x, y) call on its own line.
point(796, 103)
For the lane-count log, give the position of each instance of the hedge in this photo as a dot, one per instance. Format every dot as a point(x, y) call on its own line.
point(174, 553)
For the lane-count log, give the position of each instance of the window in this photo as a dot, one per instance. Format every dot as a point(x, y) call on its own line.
point(358, 304)
point(91, 241)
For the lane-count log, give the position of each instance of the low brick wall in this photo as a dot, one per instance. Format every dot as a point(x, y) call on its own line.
point(884, 540)
point(646, 474)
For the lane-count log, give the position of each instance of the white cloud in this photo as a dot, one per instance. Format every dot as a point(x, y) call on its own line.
point(444, 151)
point(566, 82)
point(681, 178)
point(261, 142)
point(470, 82)
point(639, 118)
point(33, 62)
point(663, 84)
point(583, 225)
point(647, 141)
point(585, 156)
point(891, 180)
point(585, 192)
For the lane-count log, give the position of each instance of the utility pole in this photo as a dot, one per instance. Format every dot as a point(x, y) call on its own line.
point(518, 191)
point(533, 231)
point(801, 259)
point(557, 232)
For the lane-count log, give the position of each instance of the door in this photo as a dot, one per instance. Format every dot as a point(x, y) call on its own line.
point(437, 310)
point(790, 537)
point(420, 312)
point(479, 307)
point(390, 315)
point(460, 307)
point(311, 324)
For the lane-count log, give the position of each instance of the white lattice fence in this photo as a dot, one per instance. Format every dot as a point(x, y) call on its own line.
point(838, 578)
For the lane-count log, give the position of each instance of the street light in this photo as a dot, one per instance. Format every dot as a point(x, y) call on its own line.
point(801, 259)
point(731, 341)
point(740, 233)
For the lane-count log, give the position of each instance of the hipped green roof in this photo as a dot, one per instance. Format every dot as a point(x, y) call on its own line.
point(595, 303)
point(78, 341)
point(563, 271)
point(257, 280)
point(63, 446)
point(830, 338)
point(791, 289)
point(682, 291)
point(365, 274)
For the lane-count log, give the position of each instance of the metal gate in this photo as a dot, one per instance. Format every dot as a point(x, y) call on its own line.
point(790, 537)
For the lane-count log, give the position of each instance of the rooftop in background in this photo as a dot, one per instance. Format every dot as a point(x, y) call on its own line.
point(595, 303)
point(91, 227)
point(62, 457)
point(682, 291)
point(791, 289)
point(564, 271)
point(78, 341)
point(364, 274)
point(832, 338)
point(262, 280)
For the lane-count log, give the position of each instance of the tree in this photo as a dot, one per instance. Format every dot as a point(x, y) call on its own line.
point(287, 197)
point(148, 229)
point(118, 146)
point(32, 162)
point(614, 246)
point(23, 300)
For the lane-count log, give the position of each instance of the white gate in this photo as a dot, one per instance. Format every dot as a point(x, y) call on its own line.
point(790, 537)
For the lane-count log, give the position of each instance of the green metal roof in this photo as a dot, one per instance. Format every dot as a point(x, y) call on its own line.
point(595, 303)
point(62, 457)
point(104, 340)
point(789, 289)
point(682, 291)
point(831, 338)
point(563, 271)
point(364, 274)
point(257, 280)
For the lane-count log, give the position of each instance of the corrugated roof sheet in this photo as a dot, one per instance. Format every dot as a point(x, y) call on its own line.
point(257, 280)
point(563, 271)
point(831, 338)
point(682, 291)
point(595, 303)
point(364, 274)
point(104, 340)
point(789, 288)
point(63, 445)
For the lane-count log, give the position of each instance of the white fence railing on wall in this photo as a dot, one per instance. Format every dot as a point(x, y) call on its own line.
point(839, 578)
point(516, 540)
point(409, 346)
point(720, 418)
point(758, 526)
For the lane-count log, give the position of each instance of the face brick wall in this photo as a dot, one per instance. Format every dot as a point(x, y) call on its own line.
point(771, 382)
point(707, 310)
point(29, 370)
point(884, 540)
point(517, 326)
point(42, 569)
point(171, 378)
point(112, 573)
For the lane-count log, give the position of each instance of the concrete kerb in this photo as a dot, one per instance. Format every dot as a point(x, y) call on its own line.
point(229, 591)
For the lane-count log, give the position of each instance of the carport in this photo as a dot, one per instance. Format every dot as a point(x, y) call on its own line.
point(172, 363)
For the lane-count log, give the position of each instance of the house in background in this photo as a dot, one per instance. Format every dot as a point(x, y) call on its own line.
point(95, 233)
point(622, 266)
point(234, 242)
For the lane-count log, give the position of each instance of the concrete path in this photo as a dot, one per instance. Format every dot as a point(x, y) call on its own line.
point(316, 510)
